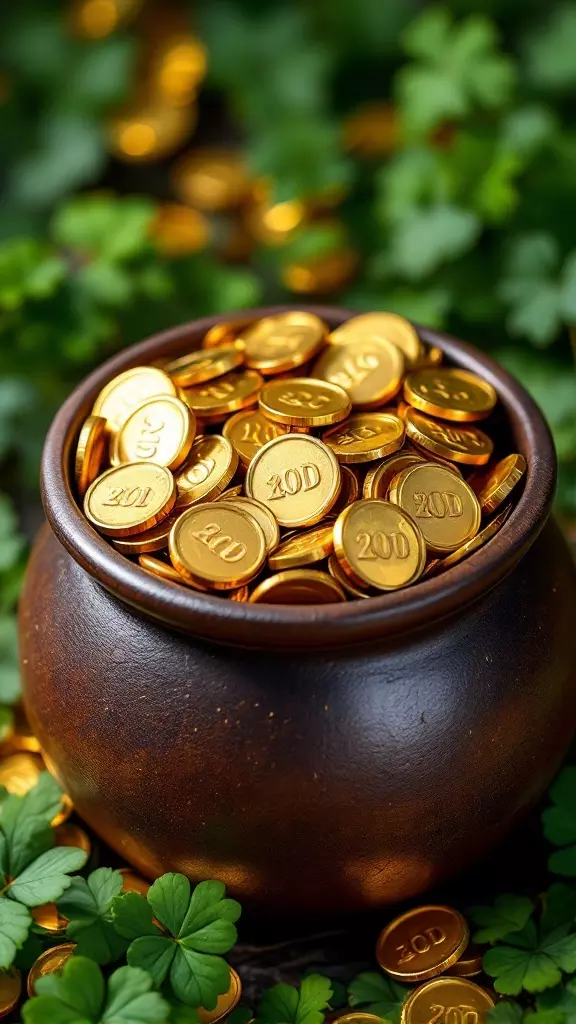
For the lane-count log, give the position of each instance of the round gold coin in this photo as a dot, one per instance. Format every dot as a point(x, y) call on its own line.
point(422, 943)
point(47, 917)
point(500, 482)
point(466, 444)
point(442, 504)
point(19, 773)
point(365, 436)
point(130, 498)
point(215, 399)
point(382, 326)
point(297, 477)
point(469, 964)
point(225, 1004)
point(336, 570)
point(432, 356)
point(304, 402)
point(303, 549)
point(241, 595)
point(91, 452)
point(10, 990)
point(72, 835)
point(450, 999)
point(226, 333)
point(65, 810)
point(476, 542)
point(218, 545)
point(369, 368)
point(299, 586)
point(379, 545)
point(263, 516)
point(379, 477)
point(355, 1017)
point(158, 567)
point(207, 472)
point(349, 490)
point(450, 394)
point(130, 389)
point(283, 342)
point(203, 365)
point(152, 540)
point(248, 430)
point(161, 431)
point(230, 492)
point(50, 962)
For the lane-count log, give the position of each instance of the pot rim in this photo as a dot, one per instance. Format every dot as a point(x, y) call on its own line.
point(311, 626)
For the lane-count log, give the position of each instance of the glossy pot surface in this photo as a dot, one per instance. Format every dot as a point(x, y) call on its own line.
point(316, 758)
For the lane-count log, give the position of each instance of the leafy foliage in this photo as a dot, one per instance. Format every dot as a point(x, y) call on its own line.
point(284, 1004)
point(379, 994)
point(87, 906)
point(560, 823)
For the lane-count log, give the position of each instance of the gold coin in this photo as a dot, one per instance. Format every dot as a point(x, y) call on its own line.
point(297, 477)
point(469, 964)
point(476, 542)
point(130, 498)
point(284, 341)
point(64, 813)
point(457, 444)
point(356, 1017)
point(422, 943)
point(218, 545)
point(248, 430)
point(230, 493)
point(130, 389)
point(72, 835)
point(369, 368)
point(442, 504)
point(432, 356)
point(225, 1004)
point(303, 549)
point(131, 882)
point(379, 477)
point(445, 1000)
point(500, 481)
point(19, 773)
point(152, 540)
point(10, 990)
point(226, 333)
point(304, 402)
point(336, 570)
point(215, 399)
point(211, 178)
point(349, 490)
point(379, 545)
point(365, 436)
point(299, 586)
point(47, 917)
point(208, 471)
point(263, 516)
point(158, 567)
point(50, 962)
point(241, 595)
point(161, 431)
point(91, 452)
point(386, 326)
point(203, 365)
point(450, 394)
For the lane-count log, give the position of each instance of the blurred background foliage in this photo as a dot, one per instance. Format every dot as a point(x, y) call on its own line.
point(164, 160)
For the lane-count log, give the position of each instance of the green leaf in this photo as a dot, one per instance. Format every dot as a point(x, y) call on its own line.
point(46, 878)
point(154, 953)
point(115, 230)
point(379, 994)
point(130, 999)
point(530, 962)
point(15, 921)
point(70, 153)
point(559, 907)
point(430, 237)
point(549, 51)
point(505, 1012)
point(87, 906)
point(132, 916)
point(9, 667)
point(284, 1004)
point(560, 1001)
point(169, 898)
point(509, 914)
point(559, 821)
point(198, 978)
point(25, 821)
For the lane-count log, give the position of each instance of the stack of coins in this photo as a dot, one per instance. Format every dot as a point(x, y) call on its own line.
point(286, 464)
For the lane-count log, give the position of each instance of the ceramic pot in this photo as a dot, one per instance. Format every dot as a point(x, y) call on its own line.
point(324, 758)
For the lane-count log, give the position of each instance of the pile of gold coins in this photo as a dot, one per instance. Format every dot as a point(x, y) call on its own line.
point(288, 464)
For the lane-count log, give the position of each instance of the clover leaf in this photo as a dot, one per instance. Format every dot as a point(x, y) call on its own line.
point(559, 822)
point(559, 1002)
point(531, 959)
point(379, 994)
point(200, 925)
point(87, 905)
point(80, 995)
point(509, 914)
point(540, 293)
point(505, 1012)
point(284, 1004)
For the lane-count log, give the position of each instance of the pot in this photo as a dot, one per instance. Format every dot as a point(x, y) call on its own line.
point(337, 757)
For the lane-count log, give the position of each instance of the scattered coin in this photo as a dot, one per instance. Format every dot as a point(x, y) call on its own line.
point(241, 595)
point(160, 430)
point(72, 835)
point(299, 586)
point(450, 394)
point(447, 1000)
point(283, 342)
point(127, 391)
point(130, 499)
point(500, 482)
point(365, 436)
point(19, 773)
point(64, 813)
point(378, 478)
point(50, 962)
point(248, 430)
point(10, 990)
point(207, 472)
point(155, 539)
point(303, 549)
point(302, 402)
point(369, 368)
point(226, 333)
point(216, 398)
point(91, 452)
point(379, 545)
point(336, 570)
point(218, 545)
point(203, 365)
point(158, 567)
point(476, 542)
point(225, 1004)
point(422, 943)
point(355, 1017)
point(297, 476)
point(47, 917)
point(442, 504)
point(469, 964)
point(263, 516)
point(457, 444)
point(386, 326)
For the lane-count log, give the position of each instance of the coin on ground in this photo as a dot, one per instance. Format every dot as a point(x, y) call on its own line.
point(336, 570)
point(49, 962)
point(225, 1004)
point(422, 943)
point(446, 1000)
point(365, 436)
point(450, 394)
point(368, 368)
point(47, 917)
point(379, 545)
point(304, 548)
point(442, 504)
point(248, 430)
point(387, 326)
point(207, 472)
point(469, 964)
point(19, 773)
point(457, 444)
point(500, 481)
point(72, 835)
point(91, 452)
point(283, 342)
point(161, 430)
point(216, 398)
point(218, 545)
point(297, 477)
point(130, 498)
point(476, 542)
point(299, 586)
point(304, 402)
point(263, 516)
point(202, 365)
point(10, 990)
point(379, 477)
point(130, 389)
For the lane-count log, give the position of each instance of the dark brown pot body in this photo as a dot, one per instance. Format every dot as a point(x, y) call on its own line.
point(313, 759)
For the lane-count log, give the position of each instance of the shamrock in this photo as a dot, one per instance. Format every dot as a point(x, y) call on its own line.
point(556, 1006)
point(379, 994)
point(199, 925)
point(87, 906)
point(505, 1012)
point(539, 290)
point(284, 1004)
point(532, 959)
point(560, 822)
point(80, 995)
point(509, 914)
